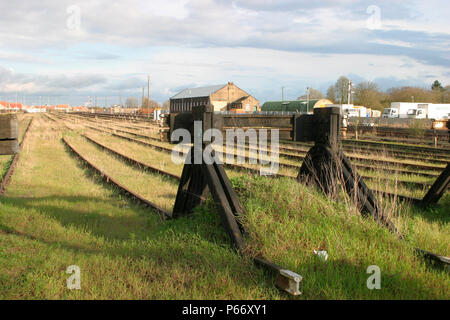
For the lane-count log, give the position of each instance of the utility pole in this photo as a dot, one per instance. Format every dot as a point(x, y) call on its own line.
point(282, 94)
point(142, 102)
point(148, 97)
point(307, 99)
point(349, 92)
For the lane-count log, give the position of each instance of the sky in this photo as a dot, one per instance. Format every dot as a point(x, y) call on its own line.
point(72, 51)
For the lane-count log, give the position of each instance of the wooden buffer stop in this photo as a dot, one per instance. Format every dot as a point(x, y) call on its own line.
point(9, 134)
point(199, 178)
point(327, 166)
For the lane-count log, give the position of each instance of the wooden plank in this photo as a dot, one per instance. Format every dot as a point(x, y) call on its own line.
point(9, 147)
point(229, 192)
point(192, 189)
point(438, 188)
point(9, 127)
point(277, 121)
point(180, 200)
point(223, 206)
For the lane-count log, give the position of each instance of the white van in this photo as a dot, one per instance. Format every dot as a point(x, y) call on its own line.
point(390, 113)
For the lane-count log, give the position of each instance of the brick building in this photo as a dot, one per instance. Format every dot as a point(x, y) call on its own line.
point(225, 97)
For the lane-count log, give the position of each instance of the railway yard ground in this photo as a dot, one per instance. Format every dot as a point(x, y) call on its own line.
point(98, 193)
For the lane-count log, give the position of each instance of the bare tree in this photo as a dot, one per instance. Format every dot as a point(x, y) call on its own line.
point(151, 104)
point(367, 94)
point(166, 105)
point(340, 89)
point(313, 94)
point(132, 102)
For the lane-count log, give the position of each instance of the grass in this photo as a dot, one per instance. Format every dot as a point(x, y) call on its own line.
point(296, 221)
point(56, 214)
point(160, 189)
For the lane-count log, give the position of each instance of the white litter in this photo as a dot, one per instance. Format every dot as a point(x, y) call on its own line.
point(322, 254)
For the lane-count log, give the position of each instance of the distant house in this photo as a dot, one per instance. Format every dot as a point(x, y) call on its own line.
point(62, 107)
point(224, 97)
point(301, 106)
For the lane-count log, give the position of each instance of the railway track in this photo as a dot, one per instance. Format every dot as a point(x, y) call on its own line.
point(300, 157)
point(133, 162)
point(237, 167)
point(419, 185)
point(431, 157)
point(108, 179)
point(249, 158)
point(253, 171)
point(397, 165)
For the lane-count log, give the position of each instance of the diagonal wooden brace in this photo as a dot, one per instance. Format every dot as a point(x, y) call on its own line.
point(438, 188)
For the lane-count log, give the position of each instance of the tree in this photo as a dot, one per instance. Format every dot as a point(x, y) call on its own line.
point(132, 102)
point(330, 94)
point(313, 94)
point(410, 94)
point(166, 105)
point(341, 89)
point(436, 85)
point(446, 95)
point(367, 94)
point(151, 104)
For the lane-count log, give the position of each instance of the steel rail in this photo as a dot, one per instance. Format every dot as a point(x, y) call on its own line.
point(122, 188)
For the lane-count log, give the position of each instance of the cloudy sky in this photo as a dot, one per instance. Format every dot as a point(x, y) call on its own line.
point(61, 51)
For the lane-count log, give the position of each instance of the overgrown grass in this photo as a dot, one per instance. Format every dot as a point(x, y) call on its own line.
point(56, 214)
point(287, 221)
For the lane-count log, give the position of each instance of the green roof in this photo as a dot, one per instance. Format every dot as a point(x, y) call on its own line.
point(289, 105)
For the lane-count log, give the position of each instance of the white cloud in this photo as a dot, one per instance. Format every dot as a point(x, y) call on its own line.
point(259, 44)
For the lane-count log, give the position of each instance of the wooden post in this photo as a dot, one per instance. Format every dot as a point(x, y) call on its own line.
point(9, 134)
point(198, 179)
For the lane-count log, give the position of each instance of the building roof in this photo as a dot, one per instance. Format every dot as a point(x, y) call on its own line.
point(240, 99)
point(198, 92)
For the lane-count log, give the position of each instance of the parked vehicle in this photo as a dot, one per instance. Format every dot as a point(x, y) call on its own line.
point(417, 110)
point(438, 111)
point(390, 113)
